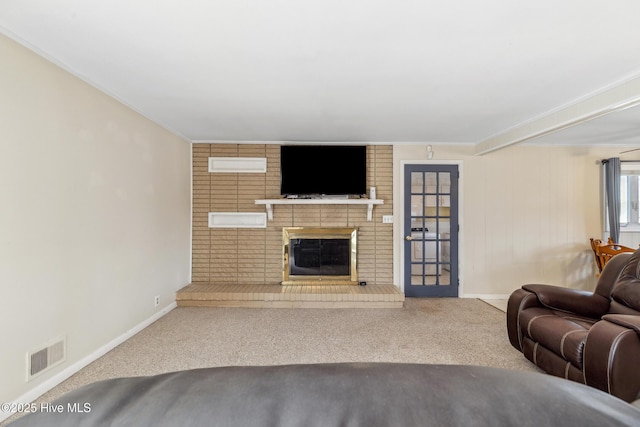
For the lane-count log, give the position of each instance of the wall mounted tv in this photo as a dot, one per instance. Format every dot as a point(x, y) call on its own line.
point(309, 170)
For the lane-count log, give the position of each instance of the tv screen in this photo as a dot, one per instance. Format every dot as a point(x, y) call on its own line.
point(323, 169)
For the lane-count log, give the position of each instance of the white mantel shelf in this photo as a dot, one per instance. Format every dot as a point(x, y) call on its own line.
point(328, 201)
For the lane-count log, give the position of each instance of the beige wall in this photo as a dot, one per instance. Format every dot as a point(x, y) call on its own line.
point(527, 214)
point(254, 256)
point(94, 216)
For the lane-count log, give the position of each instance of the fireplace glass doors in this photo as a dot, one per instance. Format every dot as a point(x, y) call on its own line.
point(319, 256)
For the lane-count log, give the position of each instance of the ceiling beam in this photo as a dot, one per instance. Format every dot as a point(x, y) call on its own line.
point(617, 98)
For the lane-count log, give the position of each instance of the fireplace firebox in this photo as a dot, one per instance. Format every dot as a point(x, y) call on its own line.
point(319, 256)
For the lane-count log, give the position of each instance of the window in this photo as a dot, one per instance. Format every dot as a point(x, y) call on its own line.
point(629, 197)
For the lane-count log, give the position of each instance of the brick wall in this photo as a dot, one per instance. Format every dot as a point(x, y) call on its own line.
point(254, 256)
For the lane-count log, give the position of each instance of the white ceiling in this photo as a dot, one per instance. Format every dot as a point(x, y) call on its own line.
point(342, 70)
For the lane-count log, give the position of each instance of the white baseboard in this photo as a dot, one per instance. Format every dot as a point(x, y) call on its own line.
point(47, 385)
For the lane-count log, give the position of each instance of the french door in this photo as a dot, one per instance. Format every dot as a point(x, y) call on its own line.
point(431, 230)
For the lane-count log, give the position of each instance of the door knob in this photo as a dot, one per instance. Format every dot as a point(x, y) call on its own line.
point(408, 238)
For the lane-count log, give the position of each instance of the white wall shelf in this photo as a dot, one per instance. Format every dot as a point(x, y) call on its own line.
point(328, 201)
point(237, 220)
point(238, 164)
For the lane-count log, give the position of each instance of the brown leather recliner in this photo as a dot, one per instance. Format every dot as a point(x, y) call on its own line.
point(588, 337)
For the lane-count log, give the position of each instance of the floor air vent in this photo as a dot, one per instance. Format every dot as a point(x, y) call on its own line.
point(45, 358)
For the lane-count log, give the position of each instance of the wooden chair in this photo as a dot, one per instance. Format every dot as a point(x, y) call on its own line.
point(594, 246)
point(603, 252)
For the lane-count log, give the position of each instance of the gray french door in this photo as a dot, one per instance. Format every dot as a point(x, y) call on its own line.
point(431, 230)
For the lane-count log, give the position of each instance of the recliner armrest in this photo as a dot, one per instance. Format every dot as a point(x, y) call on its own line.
point(610, 356)
point(570, 300)
point(629, 321)
point(518, 301)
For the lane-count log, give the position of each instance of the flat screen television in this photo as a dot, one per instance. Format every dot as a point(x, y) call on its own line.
point(311, 170)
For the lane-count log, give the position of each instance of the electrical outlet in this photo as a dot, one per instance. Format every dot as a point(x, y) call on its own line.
point(156, 300)
point(387, 219)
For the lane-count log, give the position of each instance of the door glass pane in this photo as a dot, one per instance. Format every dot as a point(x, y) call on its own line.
point(445, 202)
point(417, 206)
point(431, 179)
point(417, 182)
point(444, 181)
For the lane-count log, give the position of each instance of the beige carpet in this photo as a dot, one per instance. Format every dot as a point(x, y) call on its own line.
point(448, 331)
point(451, 331)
